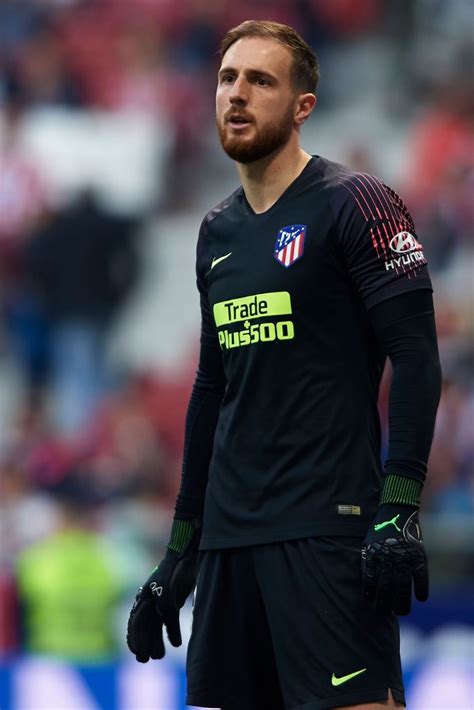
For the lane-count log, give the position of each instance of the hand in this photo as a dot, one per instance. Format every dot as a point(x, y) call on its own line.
point(158, 602)
point(392, 556)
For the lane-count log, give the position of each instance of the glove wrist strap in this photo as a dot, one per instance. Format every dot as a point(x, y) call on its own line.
point(182, 532)
point(400, 490)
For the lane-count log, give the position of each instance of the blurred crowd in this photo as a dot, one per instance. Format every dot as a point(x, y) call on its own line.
point(90, 452)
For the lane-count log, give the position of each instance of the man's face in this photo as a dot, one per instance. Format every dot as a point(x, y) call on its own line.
point(255, 101)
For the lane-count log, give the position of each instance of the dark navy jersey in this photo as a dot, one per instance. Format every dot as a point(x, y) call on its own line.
point(285, 297)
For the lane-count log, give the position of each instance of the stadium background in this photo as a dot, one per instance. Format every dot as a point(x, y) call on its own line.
point(108, 161)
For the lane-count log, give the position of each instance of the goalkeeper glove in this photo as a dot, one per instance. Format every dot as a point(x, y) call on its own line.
point(393, 555)
point(159, 600)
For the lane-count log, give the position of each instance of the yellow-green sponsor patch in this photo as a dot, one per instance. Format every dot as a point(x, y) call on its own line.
point(256, 333)
point(259, 305)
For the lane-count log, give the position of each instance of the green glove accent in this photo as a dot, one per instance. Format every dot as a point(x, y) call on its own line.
point(401, 491)
point(181, 535)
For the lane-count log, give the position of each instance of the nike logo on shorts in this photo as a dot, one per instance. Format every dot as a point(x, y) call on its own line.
point(345, 678)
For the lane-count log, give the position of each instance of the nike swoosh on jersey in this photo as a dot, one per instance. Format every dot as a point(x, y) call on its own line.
point(345, 678)
point(219, 259)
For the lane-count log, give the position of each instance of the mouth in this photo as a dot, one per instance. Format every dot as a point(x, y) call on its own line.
point(238, 122)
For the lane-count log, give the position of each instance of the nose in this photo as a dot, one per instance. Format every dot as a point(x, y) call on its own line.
point(239, 95)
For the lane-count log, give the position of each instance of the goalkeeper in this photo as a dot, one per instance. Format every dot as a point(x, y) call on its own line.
point(304, 548)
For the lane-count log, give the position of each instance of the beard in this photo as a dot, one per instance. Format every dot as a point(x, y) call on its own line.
point(265, 141)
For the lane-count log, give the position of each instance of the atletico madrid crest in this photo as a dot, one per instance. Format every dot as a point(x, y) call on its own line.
point(289, 244)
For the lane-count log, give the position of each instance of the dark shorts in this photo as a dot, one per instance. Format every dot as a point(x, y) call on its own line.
point(284, 626)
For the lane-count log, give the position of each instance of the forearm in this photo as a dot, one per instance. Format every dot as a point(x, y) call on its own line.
point(405, 327)
point(201, 421)
point(414, 398)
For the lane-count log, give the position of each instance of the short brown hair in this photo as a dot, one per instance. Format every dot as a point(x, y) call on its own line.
point(305, 69)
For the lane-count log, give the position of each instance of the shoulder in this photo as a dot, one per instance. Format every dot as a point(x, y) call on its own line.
point(214, 226)
point(345, 186)
point(224, 208)
point(365, 209)
point(364, 194)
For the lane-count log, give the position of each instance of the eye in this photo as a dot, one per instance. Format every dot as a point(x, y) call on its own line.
point(227, 78)
point(262, 81)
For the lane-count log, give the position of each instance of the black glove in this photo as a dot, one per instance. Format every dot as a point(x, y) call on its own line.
point(159, 600)
point(392, 556)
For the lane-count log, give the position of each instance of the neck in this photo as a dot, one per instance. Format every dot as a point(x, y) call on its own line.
point(265, 180)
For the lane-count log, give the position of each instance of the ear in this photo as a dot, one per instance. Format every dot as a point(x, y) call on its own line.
point(305, 104)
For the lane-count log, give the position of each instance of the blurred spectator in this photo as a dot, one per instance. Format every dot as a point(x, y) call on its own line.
point(22, 204)
point(69, 585)
point(31, 460)
point(450, 484)
point(41, 73)
point(18, 23)
point(447, 219)
point(441, 147)
point(123, 449)
point(22, 191)
point(141, 71)
point(342, 19)
point(9, 619)
point(199, 38)
point(26, 513)
point(83, 263)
